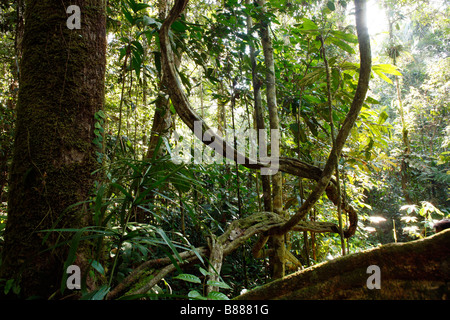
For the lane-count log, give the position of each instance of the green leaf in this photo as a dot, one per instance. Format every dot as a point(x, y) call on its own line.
point(188, 278)
point(348, 37)
point(372, 100)
point(101, 114)
point(382, 117)
point(138, 46)
point(178, 26)
point(331, 6)
point(196, 295)
point(308, 25)
point(140, 6)
point(219, 284)
point(149, 21)
point(204, 272)
point(383, 76)
point(341, 44)
point(214, 295)
point(8, 286)
point(380, 69)
point(169, 243)
point(122, 189)
point(97, 266)
point(387, 68)
point(98, 294)
point(128, 16)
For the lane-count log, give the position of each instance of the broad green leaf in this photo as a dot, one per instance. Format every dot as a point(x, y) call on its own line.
point(214, 295)
point(140, 6)
point(372, 100)
point(179, 26)
point(196, 295)
point(188, 277)
point(348, 37)
point(8, 286)
point(149, 21)
point(382, 117)
point(341, 44)
point(98, 294)
point(308, 25)
point(381, 69)
point(97, 266)
point(383, 76)
point(204, 272)
point(387, 68)
point(331, 6)
point(219, 284)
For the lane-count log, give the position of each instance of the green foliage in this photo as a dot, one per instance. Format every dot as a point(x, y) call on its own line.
point(195, 295)
point(143, 209)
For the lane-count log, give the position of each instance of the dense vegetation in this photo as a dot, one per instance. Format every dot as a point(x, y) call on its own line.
point(147, 208)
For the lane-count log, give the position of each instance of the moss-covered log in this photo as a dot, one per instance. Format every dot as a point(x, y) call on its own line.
point(414, 270)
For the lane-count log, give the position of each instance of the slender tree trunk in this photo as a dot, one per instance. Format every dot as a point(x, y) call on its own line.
point(61, 88)
point(277, 241)
point(162, 120)
point(394, 52)
point(259, 116)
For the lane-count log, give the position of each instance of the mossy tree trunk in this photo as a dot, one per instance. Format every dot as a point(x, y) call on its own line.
point(61, 88)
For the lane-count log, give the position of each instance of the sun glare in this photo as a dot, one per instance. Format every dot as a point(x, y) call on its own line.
point(376, 18)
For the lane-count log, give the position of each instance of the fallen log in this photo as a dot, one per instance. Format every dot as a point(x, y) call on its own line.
point(414, 270)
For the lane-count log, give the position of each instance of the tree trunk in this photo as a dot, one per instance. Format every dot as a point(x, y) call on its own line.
point(259, 117)
point(61, 88)
point(162, 120)
point(394, 52)
point(414, 270)
point(277, 258)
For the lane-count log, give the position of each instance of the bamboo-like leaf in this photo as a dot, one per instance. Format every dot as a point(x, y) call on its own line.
point(169, 243)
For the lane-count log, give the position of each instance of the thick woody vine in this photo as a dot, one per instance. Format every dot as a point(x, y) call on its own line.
point(263, 224)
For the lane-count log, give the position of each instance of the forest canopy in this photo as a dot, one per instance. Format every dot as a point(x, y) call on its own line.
point(201, 149)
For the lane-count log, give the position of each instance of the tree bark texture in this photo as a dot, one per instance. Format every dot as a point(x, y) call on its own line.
point(61, 88)
point(415, 270)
